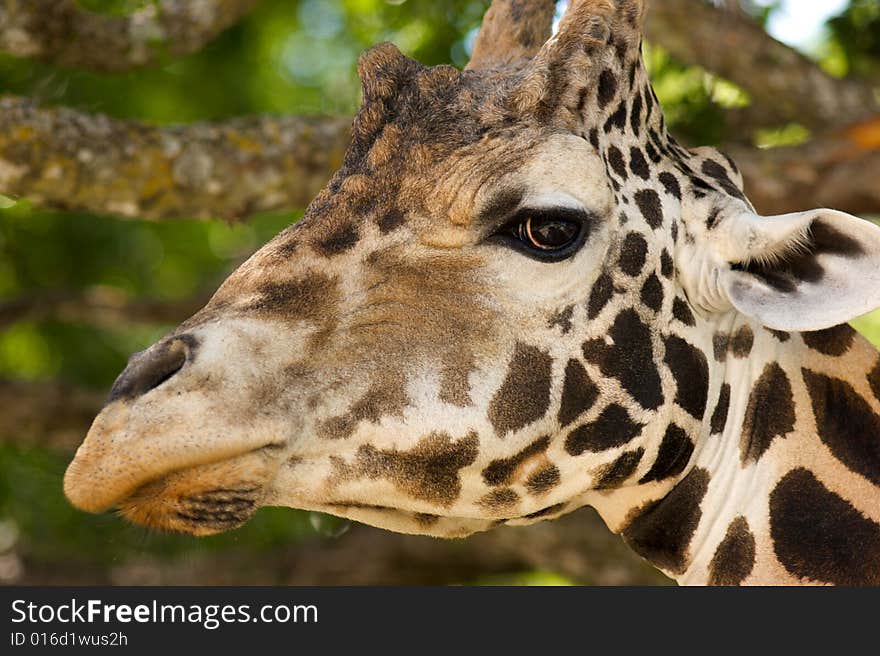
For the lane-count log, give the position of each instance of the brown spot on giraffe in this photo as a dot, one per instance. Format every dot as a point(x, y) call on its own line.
point(613, 427)
point(499, 500)
point(690, 369)
point(819, 536)
point(543, 480)
point(505, 470)
point(673, 456)
point(769, 414)
point(734, 559)
point(662, 531)
point(619, 471)
point(525, 394)
point(833, 341)
point(630, 359)
point(579, 393)
point(722, 408)
point(428, 471)
point(846, 424)
point(741, 342)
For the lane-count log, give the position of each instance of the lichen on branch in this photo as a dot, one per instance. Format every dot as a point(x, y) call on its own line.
point(65, 34)
point(67, 160)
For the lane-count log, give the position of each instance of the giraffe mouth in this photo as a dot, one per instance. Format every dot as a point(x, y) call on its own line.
point(200, 498)
point(206, 499)
point(204, 512)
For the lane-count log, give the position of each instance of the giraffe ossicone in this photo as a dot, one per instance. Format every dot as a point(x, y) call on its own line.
point(518, 296)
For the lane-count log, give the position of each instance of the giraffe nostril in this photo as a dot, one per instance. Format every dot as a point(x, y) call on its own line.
point(149, 369)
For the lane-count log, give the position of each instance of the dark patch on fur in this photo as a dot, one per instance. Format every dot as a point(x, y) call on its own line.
point(562, 319)
point(635, 117)
point(781, 335)
point(719, 416)
point(633, 254)
point(734, 558)
point(542, 480)
point(579, 393)
point(630, 359)
point(612, 428)
point(712, 218)
point(846, 424)
point(667, 266)
point(652, 293)
point(525, 394)
point(339, 241)
point(385, 397)
point(638, 164)
point(499, 499)
point(819, 536)
point(499, 206)
point(303, 299)
point(675, 452)
point(719, 173)
point(617, 119)
point(833, 341)
point(682, 311)
point(662, 532)
point(670, 183)
point(615, 160)
point(691, 372)
point(769, 414)
point(390, 220)
point(741, 342)
point(650, 207)
point(720, 346)
point(601, 293)
point(615, 474)
point(607, 88)
point(428, 471)
point(501, 471)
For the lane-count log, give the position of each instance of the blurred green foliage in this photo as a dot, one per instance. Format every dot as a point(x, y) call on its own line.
point(288, 56)
point(856, 36)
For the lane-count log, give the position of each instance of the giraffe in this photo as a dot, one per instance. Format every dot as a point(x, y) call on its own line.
point(518, 296)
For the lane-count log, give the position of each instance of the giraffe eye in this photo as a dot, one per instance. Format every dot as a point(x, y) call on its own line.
point(547, 234)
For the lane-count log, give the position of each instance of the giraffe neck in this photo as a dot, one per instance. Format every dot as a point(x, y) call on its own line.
point(784, 482)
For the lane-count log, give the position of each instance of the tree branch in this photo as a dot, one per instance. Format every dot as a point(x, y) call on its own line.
point(62, 159)
point(52, 415)
point(838, 171)
point(102, 306)
point(61, 32)
point(784, 83)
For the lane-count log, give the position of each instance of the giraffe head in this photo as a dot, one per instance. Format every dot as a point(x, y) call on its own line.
point(492, 314)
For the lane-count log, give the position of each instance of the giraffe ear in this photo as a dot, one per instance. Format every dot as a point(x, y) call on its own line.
point(800, 272)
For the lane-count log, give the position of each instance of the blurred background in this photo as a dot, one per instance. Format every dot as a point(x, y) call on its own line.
point(87, 276)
